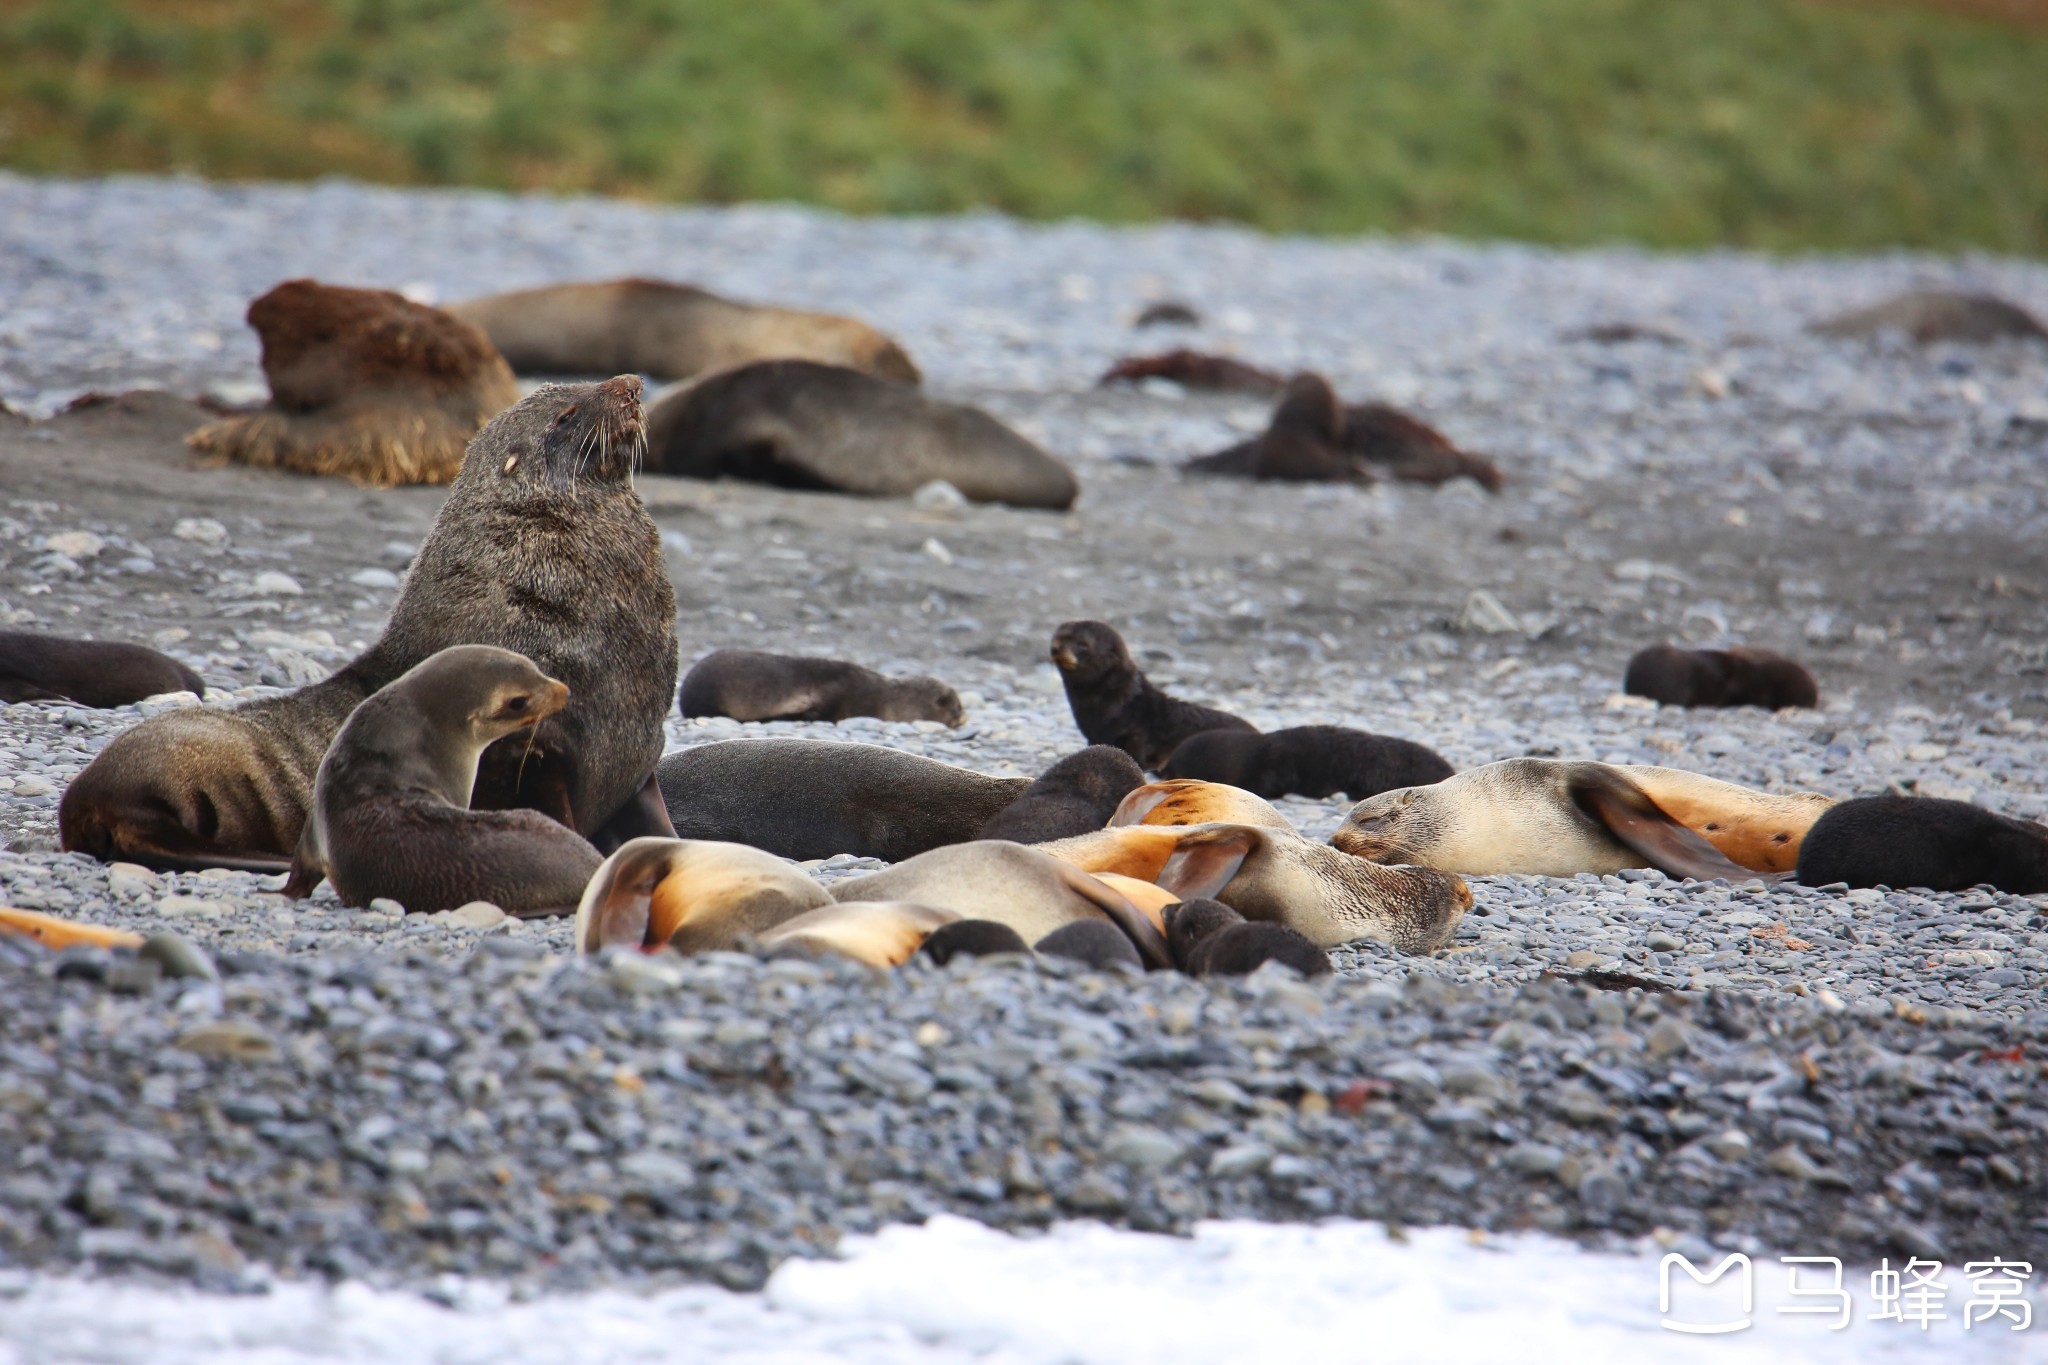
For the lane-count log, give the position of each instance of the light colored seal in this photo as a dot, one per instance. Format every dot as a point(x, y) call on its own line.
point(1189, 801)
point(693, 895)
point(877, 933)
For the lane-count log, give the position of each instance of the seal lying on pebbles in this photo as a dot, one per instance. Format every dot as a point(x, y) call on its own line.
point(1307, 760)
point(1113, 703)
point(812, 798)
point(750, 684)
point(1924, 841)
point(799, 424)
point(1077, 794)
point(877, 933)
point(1311, 436)
point(38, 667)
point(1098, 943)
point(1185, 801)
point(1552, 818)
point(1737, 676)
point(543, 548)
point(1930, 315)
point(694, 895)
point(668, 331)
point(391, 812)
point(1208, 938)
point(364, 384)
point(1194, 370)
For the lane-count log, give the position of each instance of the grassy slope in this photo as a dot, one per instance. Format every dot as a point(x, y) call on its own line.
point(1774, 123)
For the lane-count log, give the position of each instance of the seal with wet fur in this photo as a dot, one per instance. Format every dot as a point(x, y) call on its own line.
point(1307, 760)
point(1077, 794)
point(99, 673)
point(1554, 818)
point(391, 802)
point(366, 385)
point(1924, 841)
point(1115, 703)
point(798, 424)
point(1740, 675)
point(812, 798)
point(753, 685)
point(668, 331)
point(541, 547)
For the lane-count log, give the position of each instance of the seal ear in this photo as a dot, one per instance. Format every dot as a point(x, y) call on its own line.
point(1137, 926)
point(618, 904)
point(1206, 861)
point(1641, 825)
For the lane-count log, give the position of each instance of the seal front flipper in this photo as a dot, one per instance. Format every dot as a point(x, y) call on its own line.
point(308, 867)
point(1641, 825)
point(644, 816)
point(1205, 862)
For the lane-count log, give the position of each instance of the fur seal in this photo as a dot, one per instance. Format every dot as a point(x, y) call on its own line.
point(1167, 313)
point(1924, 841)
point(976, 938)
point(875, 933)
point(1024, 887)
point(1307, 760)
point(1113, 703)
point(799, 424)
point(1185, 801)
point(1077, 794)
point(668, 331)
point(812, 798)
point(750, 684)
point(1094, 943)
point(1208, 938)
point(541, 547)
point(1553, 818)
point(1930, 315)
point(1737, 676)
point(391, 812)
point(364, 384)
point(1311, 436)
point(693, 895)
point(1194, 370)
point(99, 673)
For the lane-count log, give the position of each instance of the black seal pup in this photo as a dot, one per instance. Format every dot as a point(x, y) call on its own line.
point(1078, 793)
point(812, 798)
point(1740, 675)
point(1313, 436)
point(391, 812)
point(541, 547)
point(668, 331)
point(1114, 703)
point(1924, 841)
point(365, 384)
point(799, 424)
point(1208, 938)
point(1307, 760)
point(1930, 315)
point(99, 673)
point(751, 684)
point(975, 938)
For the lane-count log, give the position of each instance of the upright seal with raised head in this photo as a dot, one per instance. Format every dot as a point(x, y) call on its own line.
point(1115, 703)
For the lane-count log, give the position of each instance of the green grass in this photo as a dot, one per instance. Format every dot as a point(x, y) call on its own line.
point(1780, 124)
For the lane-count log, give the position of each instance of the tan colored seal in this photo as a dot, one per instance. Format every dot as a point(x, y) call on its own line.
point(1188, 801)
point(693, 895)
point(877, 933)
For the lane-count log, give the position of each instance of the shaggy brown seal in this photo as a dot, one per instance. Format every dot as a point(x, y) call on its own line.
point(1312, 437)
point(1194, 370)
point(391, 812)
point(812, 798)
point(1307, 760)
point(1924, 841)
point(694, 895)
point(1077, 794)
point(668, 331)
point(38, 667)
point(364, 384)
point(751, 684)
point(1550, 818)
point(1114, 703)
point(798, 424)
point(1737, 676)
point(543, 548)
point(1930, 315)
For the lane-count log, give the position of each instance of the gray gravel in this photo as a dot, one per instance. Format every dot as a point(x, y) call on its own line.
point(448, 1092)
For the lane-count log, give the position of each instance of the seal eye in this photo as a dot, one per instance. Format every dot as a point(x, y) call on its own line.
point(516, 705)
point(562, 417)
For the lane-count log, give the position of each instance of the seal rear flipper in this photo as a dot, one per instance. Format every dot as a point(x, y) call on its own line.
point(1133, 809)
point(617, 905)
point(1137, 926)
point(1641, 825)
point(644, 816)
point(1206, 862)
point(54, 932)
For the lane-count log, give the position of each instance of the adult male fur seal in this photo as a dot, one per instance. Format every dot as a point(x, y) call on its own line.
point(668, 331)
point(364, 384)
point(391, 812)
point(1740, 675)
point(543, 548)
point(38, 667)
point(751, 684)
point(799, 424)
point(1552, 818)
point(812, 798)
point(1924, 841)
point(1307, 760)
point(1114, 703)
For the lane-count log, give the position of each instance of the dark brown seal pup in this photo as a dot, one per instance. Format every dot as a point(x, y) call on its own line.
point(1411, 450)
point(391, 812)
point(750, 684)
point(1093, 943)
point(668, 331)
point(799, 424)
point(1930, 315)
point(812, 798)
point(542, 547)
point(1208, 938)
point(1307, 760)
point(364, 384)
point(1194, 370)
point(975, 938)
point(1736, 676)
point(1113, 703)
point(1167, 313)
point(1924, 841)
point(1306, 442)
point(1077, 794)
point(37, 667)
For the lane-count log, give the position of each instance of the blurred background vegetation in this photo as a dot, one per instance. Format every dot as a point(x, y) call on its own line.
point(1772, 123)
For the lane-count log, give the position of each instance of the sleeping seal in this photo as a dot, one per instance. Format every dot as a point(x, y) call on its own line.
point(1737, 676)
point(38, 667)
point(1930, 315)
point(1924, 841)
point(1185, 801)
point(751, 685)
point(1208, 938)
point(693, 895)
point(1075, 795)
point(1307, 760)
